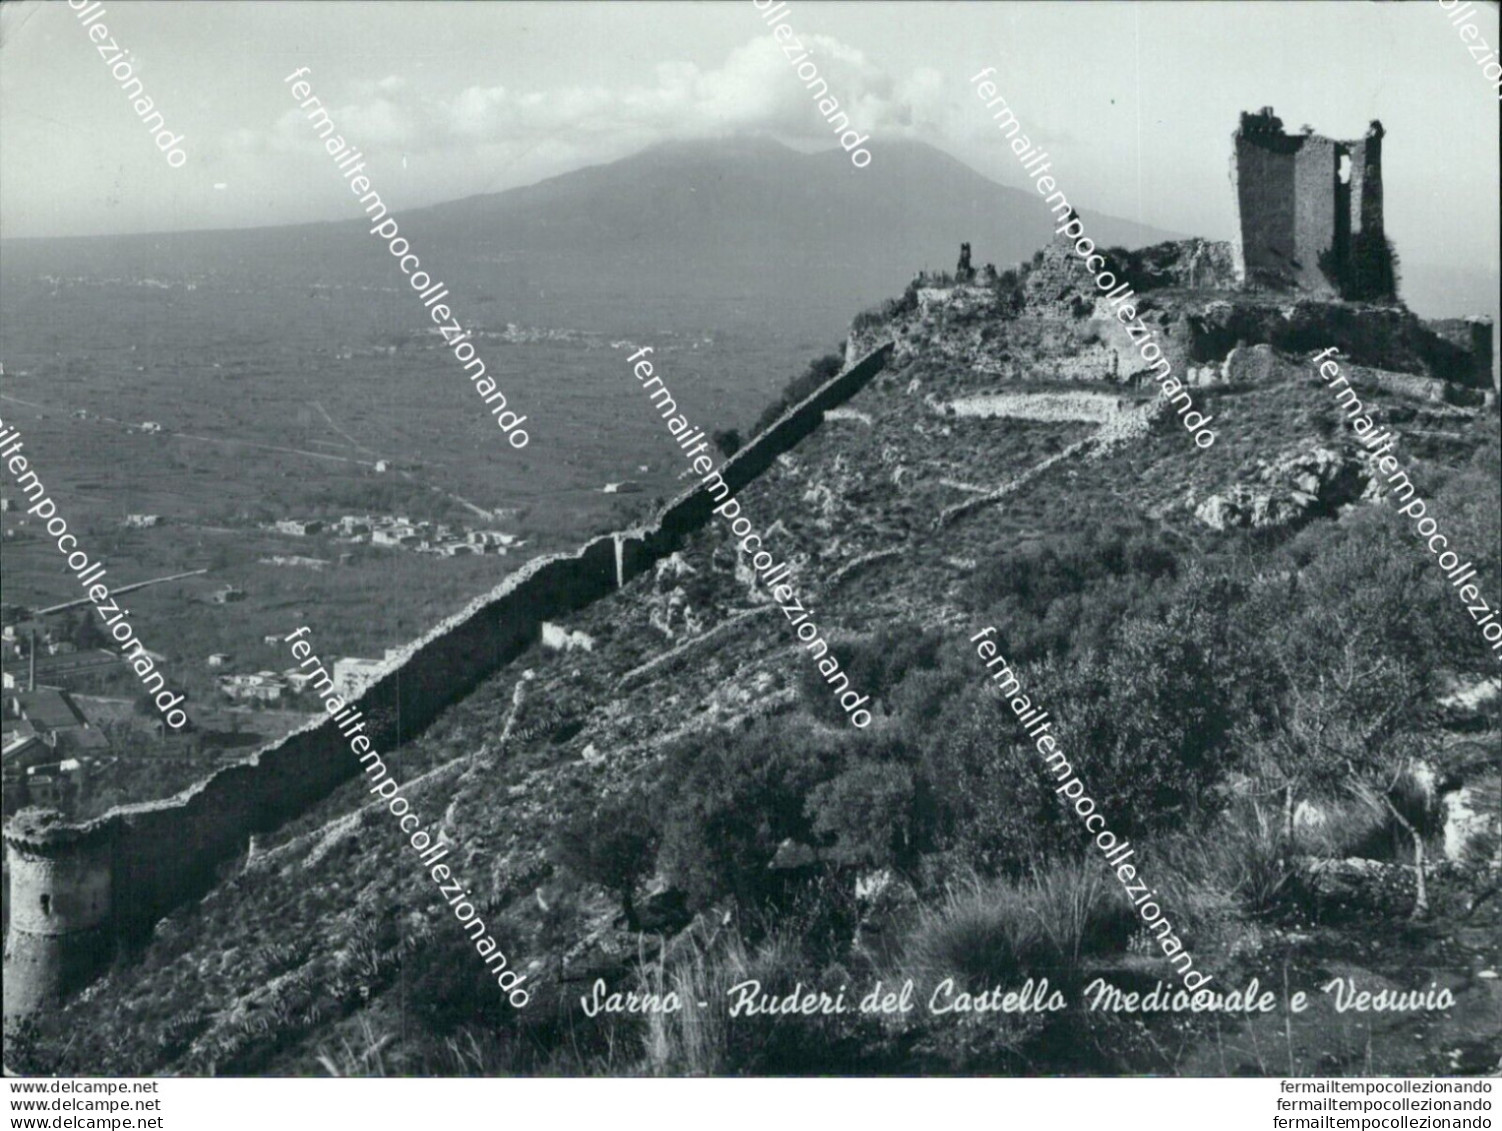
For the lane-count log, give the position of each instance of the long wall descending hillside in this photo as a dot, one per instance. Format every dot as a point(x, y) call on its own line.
point(75, 889)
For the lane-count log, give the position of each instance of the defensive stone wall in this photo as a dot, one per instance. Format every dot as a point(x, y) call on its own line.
point(1472, 337)
point(75, 889)
point(1384, 337)
point(1092, 408)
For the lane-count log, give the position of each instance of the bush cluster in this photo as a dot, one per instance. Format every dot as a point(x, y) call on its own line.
point(888, 310)
point(819, 370)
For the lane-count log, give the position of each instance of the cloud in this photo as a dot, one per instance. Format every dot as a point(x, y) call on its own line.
point(757, 89)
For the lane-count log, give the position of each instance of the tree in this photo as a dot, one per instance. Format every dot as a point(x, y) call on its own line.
point(868, 810)
point(736, 798)
point(728, 440)
point(819, 370)
point(1368, 273)
point(613, 845)
point(86, 634)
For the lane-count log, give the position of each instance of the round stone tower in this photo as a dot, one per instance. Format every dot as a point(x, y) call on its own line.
point(59, 935)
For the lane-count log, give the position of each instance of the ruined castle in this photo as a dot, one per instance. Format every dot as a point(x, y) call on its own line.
point(1310, 220)
point(1310, 265)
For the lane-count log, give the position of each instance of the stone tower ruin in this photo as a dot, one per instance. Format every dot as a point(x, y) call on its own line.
point(963, 272)
point(1310, 211)
point(60, 910)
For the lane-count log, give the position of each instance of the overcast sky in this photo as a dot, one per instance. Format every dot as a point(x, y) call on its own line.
point(1136, 102)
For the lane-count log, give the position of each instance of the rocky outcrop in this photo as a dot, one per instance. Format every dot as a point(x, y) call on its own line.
point(1382, 337)
point(1471, 822)
point(1292, 489)
point(1243, 506)
point(1359, 886)
point(1194, 263)
point(1046, 320)
point(558, 638)
point(1252, 365)
point(1472, 338)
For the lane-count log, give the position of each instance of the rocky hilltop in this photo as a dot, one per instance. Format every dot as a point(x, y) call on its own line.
point(1253, 661)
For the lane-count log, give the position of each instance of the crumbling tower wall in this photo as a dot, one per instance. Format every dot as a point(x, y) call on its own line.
point(1309, 210)
point(1366, 182)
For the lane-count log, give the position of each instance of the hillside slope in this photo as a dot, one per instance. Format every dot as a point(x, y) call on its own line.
point(675, 800)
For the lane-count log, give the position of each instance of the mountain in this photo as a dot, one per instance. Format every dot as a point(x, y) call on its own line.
point(753, 220)
point(740, 232)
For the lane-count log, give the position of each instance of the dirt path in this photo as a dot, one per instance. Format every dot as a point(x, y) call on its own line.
point(355, 443)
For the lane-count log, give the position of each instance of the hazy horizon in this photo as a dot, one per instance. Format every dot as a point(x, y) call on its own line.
point(1137, 113)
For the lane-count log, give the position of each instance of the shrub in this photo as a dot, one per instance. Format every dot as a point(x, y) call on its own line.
point(1149, 716)
point(868, 812)
point(1240, 857)
point(709, 1042)
point(998, 932)
point(85, 633)
point(984, 795)
point(875, 666)
point(727, 440)
point(1339, 650)
point(819, 370)
point(365, 1058)
point(891, 309)
point(735, 801)
point(1036, 576)
point(449, 986)
point(1009, 287)
point(1369, 273)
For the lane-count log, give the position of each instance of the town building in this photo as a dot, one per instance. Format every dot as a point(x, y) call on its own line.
point(300, 528)
point(254, 687)
point(353, 673)
point(297, 680)
point(47, 709)
point(46, 734)
point(297, 560)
